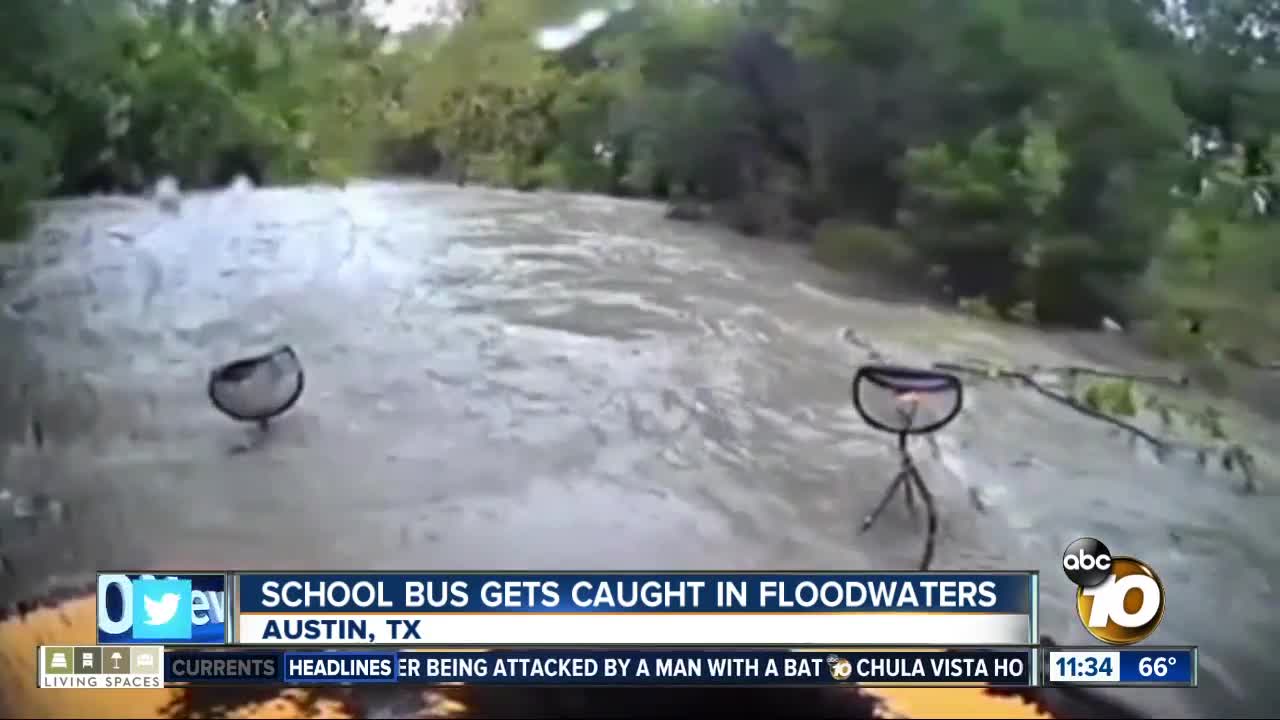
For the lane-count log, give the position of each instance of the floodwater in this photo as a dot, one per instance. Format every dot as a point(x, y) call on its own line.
point(500, 380)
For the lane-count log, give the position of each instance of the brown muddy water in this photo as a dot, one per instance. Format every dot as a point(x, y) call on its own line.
point(500, 380)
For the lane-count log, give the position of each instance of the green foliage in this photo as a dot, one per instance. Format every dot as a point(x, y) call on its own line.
point(1216, 276)
point(1112, 397)
point(118, 93)
point(846, 245)
point(1041, 168)
point(43, 49)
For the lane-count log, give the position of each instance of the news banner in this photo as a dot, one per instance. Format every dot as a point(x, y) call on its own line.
point(614, 629)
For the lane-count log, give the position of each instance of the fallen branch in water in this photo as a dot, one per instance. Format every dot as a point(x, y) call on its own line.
point(1183, 381)
point(1026, 379)
point(1232, 456)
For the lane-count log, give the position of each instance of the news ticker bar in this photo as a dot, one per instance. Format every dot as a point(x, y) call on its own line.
point(115, 666)
point(569, 609)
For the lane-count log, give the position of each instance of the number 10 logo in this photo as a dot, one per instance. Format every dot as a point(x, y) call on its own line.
point(1120, 600)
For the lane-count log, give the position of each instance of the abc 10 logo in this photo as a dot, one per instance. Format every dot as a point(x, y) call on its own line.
point(1120, 600)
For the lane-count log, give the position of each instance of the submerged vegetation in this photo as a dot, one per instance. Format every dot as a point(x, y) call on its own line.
point(1059, 161)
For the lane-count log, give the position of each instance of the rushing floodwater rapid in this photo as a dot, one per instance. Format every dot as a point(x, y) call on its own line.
point(499, 381)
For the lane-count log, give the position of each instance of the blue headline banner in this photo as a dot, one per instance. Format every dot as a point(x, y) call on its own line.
point(1008, 667)
point(280, 593)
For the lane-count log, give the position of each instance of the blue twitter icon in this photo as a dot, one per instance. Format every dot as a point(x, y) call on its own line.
point(162, 609)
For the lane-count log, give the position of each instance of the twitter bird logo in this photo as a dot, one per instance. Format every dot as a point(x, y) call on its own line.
point(160, 613)
point(166, 607)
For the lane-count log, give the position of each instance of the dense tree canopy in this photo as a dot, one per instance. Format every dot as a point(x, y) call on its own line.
point(1059, 159)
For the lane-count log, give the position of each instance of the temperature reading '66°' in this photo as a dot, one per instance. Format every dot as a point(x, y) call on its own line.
point(1156, 666)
